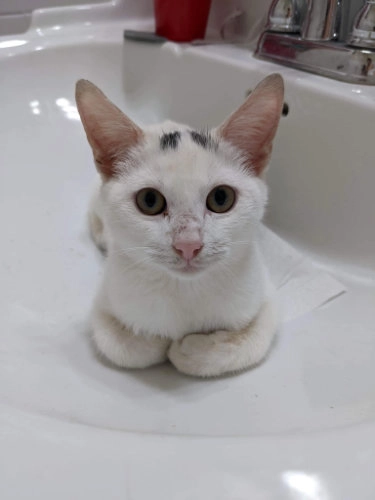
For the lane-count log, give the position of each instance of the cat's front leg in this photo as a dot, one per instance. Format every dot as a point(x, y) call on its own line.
point(213, 354)
point(120, 346)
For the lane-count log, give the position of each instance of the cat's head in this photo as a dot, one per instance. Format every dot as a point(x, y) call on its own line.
point(177, 198)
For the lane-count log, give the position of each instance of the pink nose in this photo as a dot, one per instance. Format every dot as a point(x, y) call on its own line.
point(188, 249)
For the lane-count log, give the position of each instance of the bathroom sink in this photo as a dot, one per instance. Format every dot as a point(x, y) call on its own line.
point(301, 425)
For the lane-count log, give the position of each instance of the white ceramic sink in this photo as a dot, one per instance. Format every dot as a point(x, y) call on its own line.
point(300, 426)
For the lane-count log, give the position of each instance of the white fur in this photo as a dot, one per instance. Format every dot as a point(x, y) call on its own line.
point(145, 295)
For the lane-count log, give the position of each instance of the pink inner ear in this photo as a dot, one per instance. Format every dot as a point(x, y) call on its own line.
point(113, 145)
point(110, 132)
point(252, 128)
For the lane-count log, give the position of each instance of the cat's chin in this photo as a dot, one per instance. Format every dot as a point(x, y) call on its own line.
point(188, 271)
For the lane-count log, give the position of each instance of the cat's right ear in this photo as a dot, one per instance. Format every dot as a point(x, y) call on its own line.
point(110, 132)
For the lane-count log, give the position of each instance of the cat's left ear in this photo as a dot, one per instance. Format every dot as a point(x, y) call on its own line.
point(252, 128)
point(110, 132)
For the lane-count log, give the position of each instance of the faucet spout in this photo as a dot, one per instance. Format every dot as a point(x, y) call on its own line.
point(322, 20)
point(324, 47)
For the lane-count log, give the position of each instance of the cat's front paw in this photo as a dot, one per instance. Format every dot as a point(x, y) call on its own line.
point(213, 354)
point(201, 355)
point(120, 346)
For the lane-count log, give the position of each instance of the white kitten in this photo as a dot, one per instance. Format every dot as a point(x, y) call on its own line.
point(178, 212)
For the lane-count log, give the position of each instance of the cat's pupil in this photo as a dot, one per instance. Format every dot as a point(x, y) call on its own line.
point(150, 199)
point(220, 197)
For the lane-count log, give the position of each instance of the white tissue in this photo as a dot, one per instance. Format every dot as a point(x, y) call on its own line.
point(301, 286)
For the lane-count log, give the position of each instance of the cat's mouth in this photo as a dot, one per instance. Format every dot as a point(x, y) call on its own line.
point(189, 268)
point(192, 267)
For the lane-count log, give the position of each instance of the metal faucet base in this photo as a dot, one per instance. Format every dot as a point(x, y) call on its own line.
point(331, 59)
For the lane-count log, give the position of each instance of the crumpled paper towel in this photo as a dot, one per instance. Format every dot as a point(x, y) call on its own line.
point(300, 286)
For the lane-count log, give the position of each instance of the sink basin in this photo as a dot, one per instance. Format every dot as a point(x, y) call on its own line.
point(301, 425)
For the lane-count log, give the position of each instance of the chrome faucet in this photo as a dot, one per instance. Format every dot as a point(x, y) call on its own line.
point(334, 38)
point(322, 20)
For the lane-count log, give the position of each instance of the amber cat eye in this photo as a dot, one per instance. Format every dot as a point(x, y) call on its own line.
point(150, 201)
point(221, 199)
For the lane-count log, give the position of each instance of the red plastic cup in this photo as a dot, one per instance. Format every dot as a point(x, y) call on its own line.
point(181, 20)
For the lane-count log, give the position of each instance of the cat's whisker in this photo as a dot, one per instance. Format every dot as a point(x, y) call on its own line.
point(126, 250)
point(134, 264)
point(227, 269)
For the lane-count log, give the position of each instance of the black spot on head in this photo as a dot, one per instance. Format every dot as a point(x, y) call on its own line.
point(203, 139)
point(199, 138)
point(169, 140)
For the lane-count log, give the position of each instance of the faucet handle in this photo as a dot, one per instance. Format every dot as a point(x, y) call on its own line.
point(363, 33)
point(285, 16)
